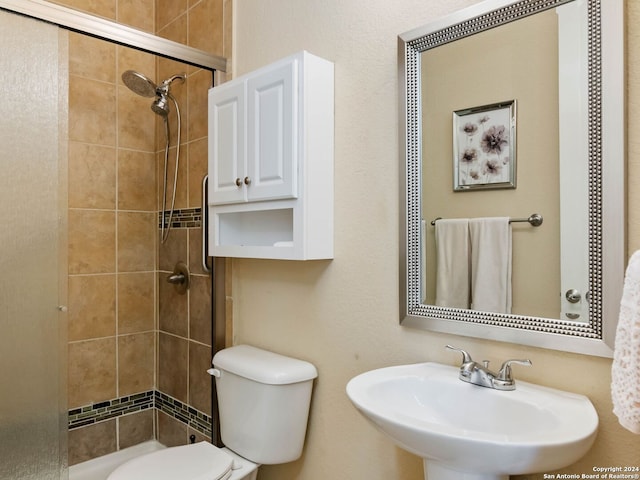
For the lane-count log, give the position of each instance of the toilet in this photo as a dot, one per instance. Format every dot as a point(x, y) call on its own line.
point(263, 401)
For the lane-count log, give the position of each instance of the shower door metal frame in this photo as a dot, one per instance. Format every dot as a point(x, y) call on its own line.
point(111, 31)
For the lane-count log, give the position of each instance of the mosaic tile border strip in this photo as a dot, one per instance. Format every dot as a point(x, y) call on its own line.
point(186, 414)
point(183, 218)
point(100, 412)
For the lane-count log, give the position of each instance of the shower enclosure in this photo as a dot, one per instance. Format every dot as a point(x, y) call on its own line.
point(97, 351)
point(33, 260)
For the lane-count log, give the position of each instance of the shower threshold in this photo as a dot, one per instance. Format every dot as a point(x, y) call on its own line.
point(100, 468)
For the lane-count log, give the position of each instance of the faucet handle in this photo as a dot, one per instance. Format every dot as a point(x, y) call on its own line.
point(466, 358)
point(505, 370)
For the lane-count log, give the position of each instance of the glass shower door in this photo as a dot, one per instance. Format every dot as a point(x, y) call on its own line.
point(33, 141)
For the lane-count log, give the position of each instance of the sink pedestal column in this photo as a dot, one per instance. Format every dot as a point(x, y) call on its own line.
point(436, 471)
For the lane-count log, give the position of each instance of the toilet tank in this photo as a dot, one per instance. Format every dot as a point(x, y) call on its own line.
point(263, 401)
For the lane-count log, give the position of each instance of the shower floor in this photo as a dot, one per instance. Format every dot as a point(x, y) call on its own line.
point(100, 468)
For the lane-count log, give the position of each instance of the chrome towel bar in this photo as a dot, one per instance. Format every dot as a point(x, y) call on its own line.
point(535, 219)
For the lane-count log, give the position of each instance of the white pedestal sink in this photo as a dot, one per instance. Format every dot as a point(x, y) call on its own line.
point(468, 432)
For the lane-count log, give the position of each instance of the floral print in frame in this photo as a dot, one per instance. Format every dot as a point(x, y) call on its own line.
point(484, 153)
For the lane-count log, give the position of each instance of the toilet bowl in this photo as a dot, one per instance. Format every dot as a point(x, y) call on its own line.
point(263, 401)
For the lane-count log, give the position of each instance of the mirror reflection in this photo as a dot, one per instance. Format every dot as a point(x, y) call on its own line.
point(534, 89)
point(534, 69)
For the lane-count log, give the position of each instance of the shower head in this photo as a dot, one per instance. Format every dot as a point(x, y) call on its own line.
point(163, 93)
point(139, 84)
point(160, 105)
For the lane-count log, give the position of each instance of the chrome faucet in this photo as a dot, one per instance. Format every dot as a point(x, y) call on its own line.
point(477, 374)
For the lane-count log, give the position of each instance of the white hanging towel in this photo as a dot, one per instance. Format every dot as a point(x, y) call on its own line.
point(490, 264)
point(452, 257)
point(625, 370)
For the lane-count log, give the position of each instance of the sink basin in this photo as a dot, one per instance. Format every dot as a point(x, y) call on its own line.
point(460, 428)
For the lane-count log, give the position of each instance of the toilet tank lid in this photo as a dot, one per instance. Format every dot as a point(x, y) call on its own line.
point(263, 366)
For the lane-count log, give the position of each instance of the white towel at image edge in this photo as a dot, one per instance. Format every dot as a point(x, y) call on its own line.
point(490, 264)
point(452, 257)
point(625, 369)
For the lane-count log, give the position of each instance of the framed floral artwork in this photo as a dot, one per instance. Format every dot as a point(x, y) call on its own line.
point(484, 147)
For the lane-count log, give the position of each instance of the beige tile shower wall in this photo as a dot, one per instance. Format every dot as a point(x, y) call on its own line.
point(112, 242)
point(112, 226)
point(134, 13)
point(101, 302)
point(184, 321)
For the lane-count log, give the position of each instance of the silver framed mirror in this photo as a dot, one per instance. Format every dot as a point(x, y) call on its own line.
point(604, 197)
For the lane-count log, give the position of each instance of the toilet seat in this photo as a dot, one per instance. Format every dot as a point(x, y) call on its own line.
point(198, 461)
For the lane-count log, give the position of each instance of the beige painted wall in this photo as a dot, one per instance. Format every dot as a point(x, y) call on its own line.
point(342, 315)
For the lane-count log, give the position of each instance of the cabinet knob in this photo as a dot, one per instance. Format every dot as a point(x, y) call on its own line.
point(238, 182)
point(247, 181)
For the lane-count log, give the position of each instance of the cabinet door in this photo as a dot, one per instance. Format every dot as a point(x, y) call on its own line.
point(272, 133)
point(227, 138)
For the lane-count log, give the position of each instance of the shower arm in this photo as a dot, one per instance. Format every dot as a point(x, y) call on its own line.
point(170, 80)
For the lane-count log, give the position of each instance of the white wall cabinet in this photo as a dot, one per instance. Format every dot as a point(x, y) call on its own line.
point(271, 162)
